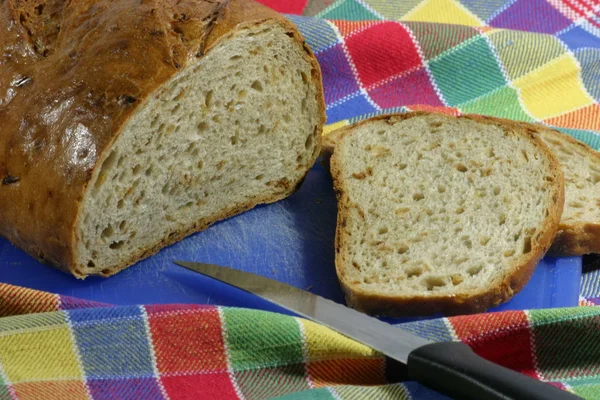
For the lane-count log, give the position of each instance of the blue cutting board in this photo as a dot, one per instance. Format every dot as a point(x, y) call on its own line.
point(291, 241)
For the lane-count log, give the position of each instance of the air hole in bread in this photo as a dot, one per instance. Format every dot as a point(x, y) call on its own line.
point(414, 272)
point(106, 166)
point(383, 230)
point(402, 249)
point(461, 168)
point(200, 164)
point(441, 189)
point(509, 253)
point(473, 271)
point(496, 191)
point(527, 245)
point(260, 177)
point(575, 204)
point(304, 77)
point(257, 85)
point(525, 155)
point(208, 99)
point(460, 210)
point(517, 236)
point(418, 196)
point(202, 127)
point(402, 166)
point(107, 232)
point(484, 240)
point(122, 225)
point(309, 142)
point(433, 282)
point(117, 245)
point(91, 264)
point(502, 219)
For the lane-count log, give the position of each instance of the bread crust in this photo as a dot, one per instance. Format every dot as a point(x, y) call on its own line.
point(74, 73)
point(465, 303)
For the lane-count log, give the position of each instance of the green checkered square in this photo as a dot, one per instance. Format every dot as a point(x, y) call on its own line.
point(255, 339)
point(503, 103)
point(388, 392)
point(394, 10)
point(4, 393)
point(559, 352)
point(271, 382)
point(437, 39)
point(466, 72)
point(587, 389)
point(512, 46)
point(351, 10)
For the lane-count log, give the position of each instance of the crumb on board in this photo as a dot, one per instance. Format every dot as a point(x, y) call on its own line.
point(309, 287)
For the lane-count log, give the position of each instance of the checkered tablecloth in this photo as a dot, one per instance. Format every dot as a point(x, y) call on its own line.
point(532, 60)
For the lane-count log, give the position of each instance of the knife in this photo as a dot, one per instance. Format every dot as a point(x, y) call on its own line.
point(451, 368)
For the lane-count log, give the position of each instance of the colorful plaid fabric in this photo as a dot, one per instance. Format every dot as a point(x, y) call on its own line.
point(531, 60)
point(54, 347)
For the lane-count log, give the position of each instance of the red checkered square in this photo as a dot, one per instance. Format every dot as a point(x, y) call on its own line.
point(413, 88)
point(188, 340)
point(377, 59)
point(503, 338)
point(204, 386)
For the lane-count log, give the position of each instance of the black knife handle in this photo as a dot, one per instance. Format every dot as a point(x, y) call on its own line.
point(453, 369)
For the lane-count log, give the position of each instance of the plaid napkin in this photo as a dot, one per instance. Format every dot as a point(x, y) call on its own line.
point(531, 60)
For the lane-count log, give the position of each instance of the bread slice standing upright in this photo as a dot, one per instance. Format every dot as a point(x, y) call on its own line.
point(441, 214)
point(579, 230)
point(127, 125)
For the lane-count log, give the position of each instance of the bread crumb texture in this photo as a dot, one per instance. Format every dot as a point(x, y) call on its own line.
point(235, 129)
point(435, 206)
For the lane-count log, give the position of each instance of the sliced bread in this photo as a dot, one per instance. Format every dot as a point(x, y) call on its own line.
point(441, 214)
point(132, 124)
point(579, 230)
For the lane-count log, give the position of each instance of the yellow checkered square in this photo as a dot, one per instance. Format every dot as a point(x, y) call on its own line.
point(553, 89)
point(39, 354)
point(444, 12)
point(323, 343)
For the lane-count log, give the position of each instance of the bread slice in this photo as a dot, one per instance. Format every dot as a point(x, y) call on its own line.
point(579, 230)
point(131, 125)
point(441, 214)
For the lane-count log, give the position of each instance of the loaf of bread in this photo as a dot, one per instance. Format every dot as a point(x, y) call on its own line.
point(441, 214)
point(127, 125)
point(579, 230)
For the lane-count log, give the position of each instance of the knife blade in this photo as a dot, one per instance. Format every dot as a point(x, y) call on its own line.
point(451, 368)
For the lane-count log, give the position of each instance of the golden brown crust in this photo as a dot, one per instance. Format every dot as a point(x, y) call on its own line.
point(512, 283)
point(73, 72)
